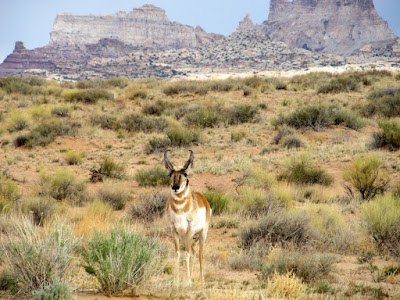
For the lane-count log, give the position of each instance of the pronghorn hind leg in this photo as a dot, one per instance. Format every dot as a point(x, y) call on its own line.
point(188, 248)
point(191, 258)
point(177, 257)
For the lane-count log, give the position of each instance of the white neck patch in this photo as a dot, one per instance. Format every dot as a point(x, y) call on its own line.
point(174, 194)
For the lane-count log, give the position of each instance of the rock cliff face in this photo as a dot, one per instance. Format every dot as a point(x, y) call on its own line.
point(330, 26)
point(147, 26)
point(245, 25)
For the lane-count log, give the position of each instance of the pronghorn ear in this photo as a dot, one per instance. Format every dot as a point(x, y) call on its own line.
point(167, 163)
point(189, 162)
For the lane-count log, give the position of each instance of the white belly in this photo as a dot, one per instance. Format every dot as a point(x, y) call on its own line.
point(182, 222)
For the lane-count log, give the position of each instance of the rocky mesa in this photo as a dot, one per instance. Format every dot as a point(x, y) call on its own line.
point(332, 26)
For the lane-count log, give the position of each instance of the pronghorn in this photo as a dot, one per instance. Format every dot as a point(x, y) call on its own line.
point(188, 214)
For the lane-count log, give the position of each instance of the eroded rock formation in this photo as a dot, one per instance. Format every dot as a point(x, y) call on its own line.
point(330, 26)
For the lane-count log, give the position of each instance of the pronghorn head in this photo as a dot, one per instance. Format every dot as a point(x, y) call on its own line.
point(179, 177)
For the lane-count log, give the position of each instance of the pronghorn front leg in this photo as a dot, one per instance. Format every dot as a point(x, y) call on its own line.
point(177, 256)
point(188, 248)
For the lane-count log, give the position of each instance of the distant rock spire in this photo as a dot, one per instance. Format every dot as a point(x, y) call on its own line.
point(246, 24)
point(19, 46)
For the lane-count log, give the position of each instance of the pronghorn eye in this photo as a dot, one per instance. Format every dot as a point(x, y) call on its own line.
point(185, 174)
point(170, 174)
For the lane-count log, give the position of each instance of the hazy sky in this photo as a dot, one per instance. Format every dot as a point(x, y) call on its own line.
point(31, 21)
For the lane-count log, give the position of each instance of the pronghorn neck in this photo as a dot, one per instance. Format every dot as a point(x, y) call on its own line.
point(181, 194)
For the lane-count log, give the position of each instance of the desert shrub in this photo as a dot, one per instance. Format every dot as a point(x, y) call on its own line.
point(253, 202)
point(218, 200)
point(366, 176)
point(380, 93)
point(152, 206)
point(181, 136)
point(9, 193)
point(285, 286)
point(47, 131)
point(114, 195)
point(152, 177)
point(203, 118)
point(121, 259)
point(301, 169)
point(384, 102)
point(283, 131)
point(238, 134)
point(310, 80)
point(242, 261)
point(186, 87)
point(136, 92)
point(388, 137)
point(39, 258)
point(120, 82)
point(105, 121)
point(257, 177)
point(87, 95)
point(242, 113)
point(19, 121)
point(74, 157)
point(306, 266)
point(292, 142)
point(61, 111)
point(341, 84)
point(136, 122)
point(8, 282)
point(382, 217)
point(182, 110)
point(57, 290)
point(40, 209)
point(111, 168)
point(349, 119)
point(20, 141)
point(276, 227)
point(155, 108)
point(157, 144)
point(23, 85)
point(63, 184)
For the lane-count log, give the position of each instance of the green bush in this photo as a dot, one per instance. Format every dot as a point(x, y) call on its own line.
point(105, 121)
point(152, 206)
point(382, 217)
point(155, 108)
point(136, 122)
point(39, 258)
point(276, 227)
point(339, 85)
point(121, 259)
point(384, 102)
point(23, 85)
point(9, 193)
point(8, 282)
point(242, 113)
point(57, 290)
point(389, 136)
point(110, 168)
point(63, 184)
point(302, 170)
point(366, 176)
point(181, 136)
point(349, 119)
point(87, 95)
point(152, 177)
point(203, 118)
point(292, 142)
point(254, 202)
point(218, 200)
point(61, 111)
point(40, 209)
point(73, 157)
point(306, 266)
point(238, 134)
point(283, 131)
point(114, 195)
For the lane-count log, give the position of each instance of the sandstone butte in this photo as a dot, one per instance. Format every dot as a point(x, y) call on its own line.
point(332, 26)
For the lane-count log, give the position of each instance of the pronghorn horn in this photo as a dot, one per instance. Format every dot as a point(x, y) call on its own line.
point(168, 164)
point(189, 162)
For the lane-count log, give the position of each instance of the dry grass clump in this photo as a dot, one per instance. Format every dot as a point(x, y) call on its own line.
point(238, 134)
point(97, 215)
point(388, 137)
point(253, 202)
point(366, 176)
point(286, 286)
point(341, 84)
point(157, 144)
point(87, 95)
point(105, 121)
point(62, 111)
point(203, 118)
point(73, 157)
point(384, 102)
point(135, 122)
point(242, 113)
point(152, 177)
point(9, 193)
point(120, 82)
point(283, 131)
point(156, 108)
point(180, 136)
point(19, 120)
point(114, 194)
point(64, 185)
point(276, 227)
point(290, 142)
point(382, 217)
point(152, 206)
point(38, 259)
point(121, 259)
point(307, 266)
point(257, 177)
point(301, 169)
point(318, 116)
point(39, 209)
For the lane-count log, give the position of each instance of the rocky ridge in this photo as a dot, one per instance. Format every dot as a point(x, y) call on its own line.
point(332, 26)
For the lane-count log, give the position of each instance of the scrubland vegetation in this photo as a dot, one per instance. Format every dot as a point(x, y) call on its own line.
point(302, 174)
